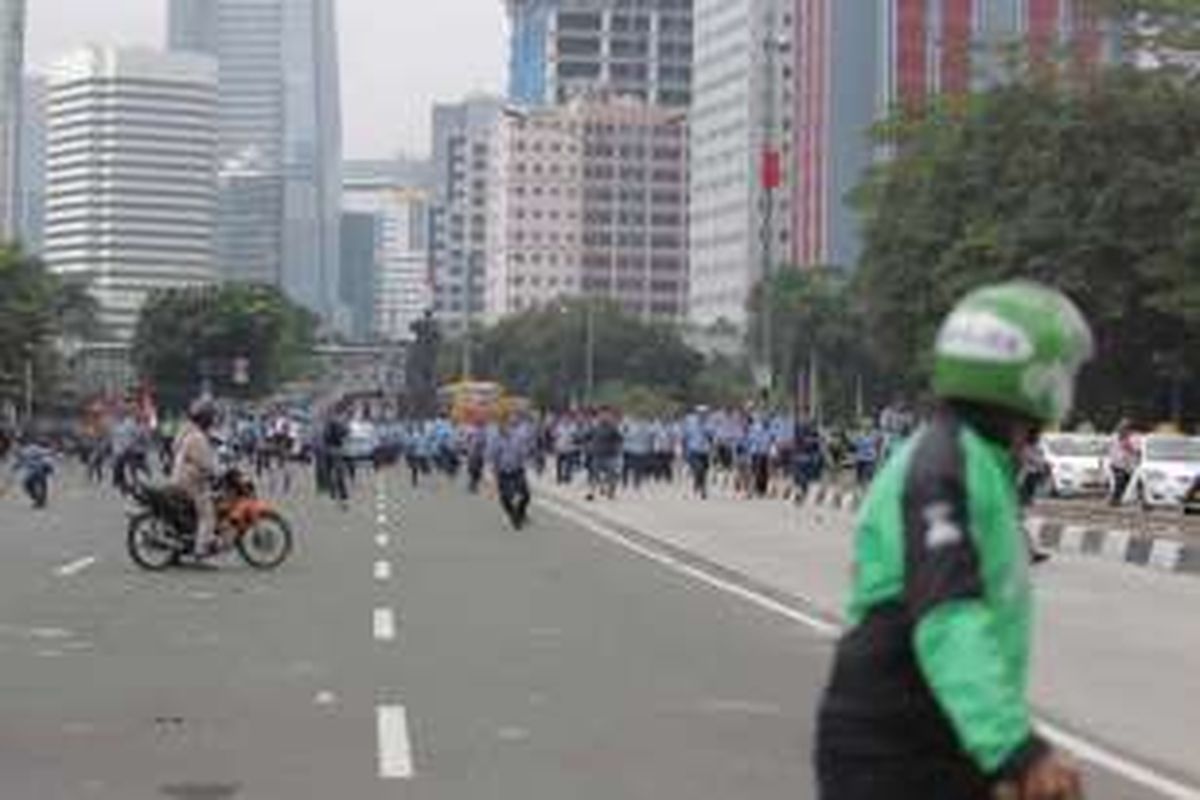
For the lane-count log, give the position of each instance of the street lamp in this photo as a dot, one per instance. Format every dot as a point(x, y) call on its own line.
point(771, 177)
point(28, 382)
point(589, 358)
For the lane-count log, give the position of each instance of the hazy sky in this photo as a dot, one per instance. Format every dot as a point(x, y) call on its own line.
point(398, 56)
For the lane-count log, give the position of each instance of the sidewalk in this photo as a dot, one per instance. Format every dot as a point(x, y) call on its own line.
point(1118, 648)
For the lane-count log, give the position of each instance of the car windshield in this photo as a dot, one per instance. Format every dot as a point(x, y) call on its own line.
point(1077, 446)
point(1173, 448)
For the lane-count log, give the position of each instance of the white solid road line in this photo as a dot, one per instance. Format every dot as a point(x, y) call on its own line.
point(384, 625)
point(395, 750)
point(75, 567)
point(1082, 748)
point(383, 570)
point(1106, 759)
point(818, 625)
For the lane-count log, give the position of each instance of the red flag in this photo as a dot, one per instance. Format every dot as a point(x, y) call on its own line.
point(772, 168)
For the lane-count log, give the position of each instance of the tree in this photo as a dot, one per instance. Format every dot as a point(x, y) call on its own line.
point(37, 310)
point(187, 338)
point(1094, 189)
point(542, 354)
point(816, 323)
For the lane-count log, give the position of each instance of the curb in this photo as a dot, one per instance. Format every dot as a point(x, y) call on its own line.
point(1158, 552)
point(1161, 553)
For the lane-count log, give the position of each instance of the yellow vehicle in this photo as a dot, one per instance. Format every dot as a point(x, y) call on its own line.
point(478, 402)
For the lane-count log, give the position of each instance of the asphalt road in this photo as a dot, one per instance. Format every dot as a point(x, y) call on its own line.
point(478, 663)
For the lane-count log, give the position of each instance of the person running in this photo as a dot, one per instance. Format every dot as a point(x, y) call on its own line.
point(333, 445)
point(33, 465)
point(606, 445)
point(475, 445)
point(697, 449)
point(759, 442)
point(509, 451)
point(928, 696)
point(566, 450)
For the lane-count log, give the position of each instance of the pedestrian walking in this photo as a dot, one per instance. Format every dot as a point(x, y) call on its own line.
point(1122, 461)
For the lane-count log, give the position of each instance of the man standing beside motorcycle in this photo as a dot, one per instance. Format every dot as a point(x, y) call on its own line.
point(194, 469)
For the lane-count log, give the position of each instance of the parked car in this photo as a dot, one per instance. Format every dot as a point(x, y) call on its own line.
point(1191, 503)
point(1169, 467)
point(1077, 463)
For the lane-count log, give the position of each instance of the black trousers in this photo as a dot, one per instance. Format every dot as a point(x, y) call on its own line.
point(896, 780)
point(514, 496)
point(761, 466)
point(699, 464)
point(37, 486)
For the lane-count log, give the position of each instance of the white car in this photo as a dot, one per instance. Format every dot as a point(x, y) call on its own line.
point(1077, 463)
point(1169, 466)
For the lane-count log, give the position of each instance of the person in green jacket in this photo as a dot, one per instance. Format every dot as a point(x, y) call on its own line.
point(928, 697)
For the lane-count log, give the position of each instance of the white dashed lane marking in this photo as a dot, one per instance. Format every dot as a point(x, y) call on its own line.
point(395, 749)
point(74, 567)
point(383, 570)
point(384, 625)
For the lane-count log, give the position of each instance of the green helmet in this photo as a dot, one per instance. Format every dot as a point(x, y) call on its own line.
point(1017, 345)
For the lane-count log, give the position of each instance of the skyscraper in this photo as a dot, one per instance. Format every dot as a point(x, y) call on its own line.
point(360, 270)
point(130, 175)
point(739, 202)
point(560, 49)
point(396, 195)
point(12, 60)
point(923, 48)
point(280, 140)
point(31, 181)
point(465, 195)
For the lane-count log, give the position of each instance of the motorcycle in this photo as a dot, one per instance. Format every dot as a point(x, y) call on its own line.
point(163, 532)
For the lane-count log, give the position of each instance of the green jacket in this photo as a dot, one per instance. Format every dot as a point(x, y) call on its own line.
point(935, 663)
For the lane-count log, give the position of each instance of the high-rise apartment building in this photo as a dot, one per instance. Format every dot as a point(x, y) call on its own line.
point(464, 209)
point(923, 48)
point(396, 195)
point(130, 175)
point(739, 193)
point(280, 140)
point(12, 60)
point(560, 49)
point(594, 204)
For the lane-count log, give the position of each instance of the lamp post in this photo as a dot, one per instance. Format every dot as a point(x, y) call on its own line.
point(770, 179)
point(28, 383)
point(589, 355)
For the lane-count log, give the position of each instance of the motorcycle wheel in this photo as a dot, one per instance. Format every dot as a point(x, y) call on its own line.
point(148, 542)
point(268, 543)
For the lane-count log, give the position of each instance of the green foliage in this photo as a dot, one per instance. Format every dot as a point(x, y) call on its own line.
point(816, 323)
point(36, 308)
point(186, 336)
point(542, 354)
point(1095, 190)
